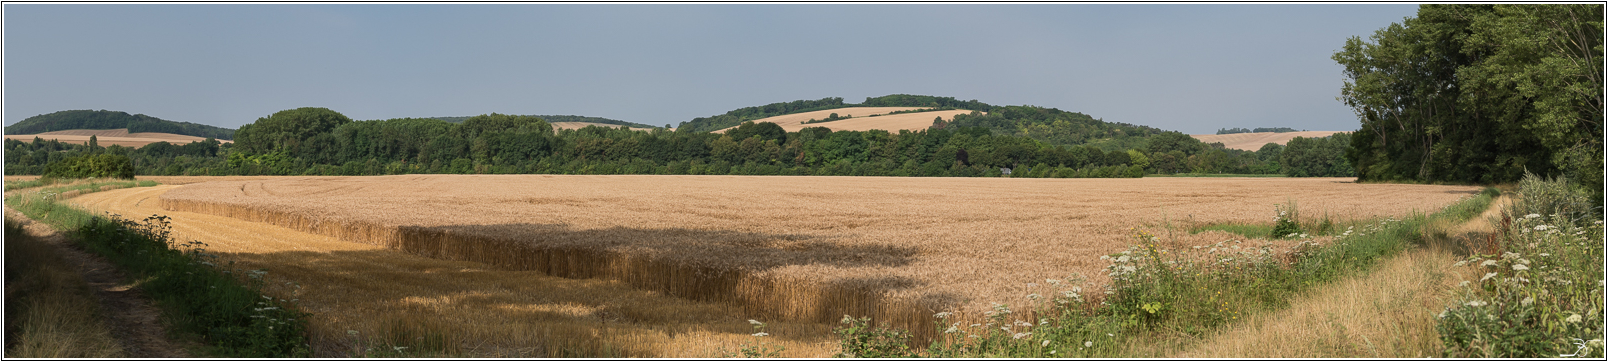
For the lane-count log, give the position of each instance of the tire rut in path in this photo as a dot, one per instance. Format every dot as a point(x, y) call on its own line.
point(134, 319)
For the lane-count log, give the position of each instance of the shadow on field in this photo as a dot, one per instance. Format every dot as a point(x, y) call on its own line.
point(736, 250)
point(466, 308)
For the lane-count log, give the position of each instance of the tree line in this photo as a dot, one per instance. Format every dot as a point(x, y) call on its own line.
point(1479, 93)
point(318, 141)
point(1256, 130)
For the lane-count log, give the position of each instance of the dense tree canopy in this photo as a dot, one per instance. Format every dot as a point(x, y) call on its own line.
point(1479, 93)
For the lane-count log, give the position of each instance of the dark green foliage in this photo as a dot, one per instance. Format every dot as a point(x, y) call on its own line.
point(1479, 94)
point(105, 165)
point(1317, 157)
point(103, 119)
point(907, 100)
point(859, 340)
point(301, 132)
point(556, 119)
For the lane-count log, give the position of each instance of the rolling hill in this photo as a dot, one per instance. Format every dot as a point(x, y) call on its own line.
point(569, 122)
point(864, 118)
point(111, 120)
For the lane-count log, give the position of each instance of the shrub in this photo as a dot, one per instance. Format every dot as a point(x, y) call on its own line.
point(103, 165)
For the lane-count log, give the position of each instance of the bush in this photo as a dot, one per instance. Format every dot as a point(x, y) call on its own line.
point(1541, 293)
point(103, 165)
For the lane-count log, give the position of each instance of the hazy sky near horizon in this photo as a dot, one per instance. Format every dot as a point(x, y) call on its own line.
point(1192, 68)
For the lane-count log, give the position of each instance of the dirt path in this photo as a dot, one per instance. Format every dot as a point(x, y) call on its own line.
point(134, 319)
point(1386, 313)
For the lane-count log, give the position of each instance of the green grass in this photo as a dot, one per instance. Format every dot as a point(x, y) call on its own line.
point(199, 296)
point(1159, 296)
point(1249, 231)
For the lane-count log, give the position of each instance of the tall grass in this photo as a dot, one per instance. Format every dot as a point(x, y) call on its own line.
point(1540, 293)
point(1160, 294)
point(50, 311)
point(199, 295)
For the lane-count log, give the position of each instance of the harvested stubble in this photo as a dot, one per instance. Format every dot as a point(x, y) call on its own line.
point(808, 249)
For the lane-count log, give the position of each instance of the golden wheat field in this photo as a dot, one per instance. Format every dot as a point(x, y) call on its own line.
point(862, 120)
point(795, 249)
point(107, 137)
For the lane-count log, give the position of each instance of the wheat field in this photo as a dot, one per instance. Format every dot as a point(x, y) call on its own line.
point(795, 249)
point(107, 137)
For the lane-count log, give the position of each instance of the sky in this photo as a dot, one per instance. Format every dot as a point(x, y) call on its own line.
point(1192, 68)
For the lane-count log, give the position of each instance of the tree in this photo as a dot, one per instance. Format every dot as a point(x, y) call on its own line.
point(287, 129)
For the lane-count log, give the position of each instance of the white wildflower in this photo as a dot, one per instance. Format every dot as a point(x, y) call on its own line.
point(1045, 344)
point(1487, 276)
point(1033, 296)
point(1463, 284)
point(952, 329)
point(942, 315)
point(1489, 263)
point(1442, 314)
point(1573, 318)
point(1542, 227)
point(761, 334)
point(1460, 263)
point(1087, 344)
point(1520, 267)
point(1527, 301)
point(1545, 255)
point(754, 322)
point(1021, 335)
point(1532, 216)
point(1122, 259)
point(1476, 303)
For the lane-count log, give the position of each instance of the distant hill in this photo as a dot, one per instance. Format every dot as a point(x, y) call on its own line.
point(740, 115)
point(892, 119)
point(1257, 130)
point(1255, 141)
point(105, 120)
point(567, 119)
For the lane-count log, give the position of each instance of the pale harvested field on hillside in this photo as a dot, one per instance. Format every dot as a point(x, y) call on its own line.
point(108, 137)
point(862, 120)
point(1255, 141)
point(791, 248)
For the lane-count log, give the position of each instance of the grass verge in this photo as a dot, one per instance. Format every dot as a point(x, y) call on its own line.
point(1164, 300)
point(50, 311)
point(225, 309)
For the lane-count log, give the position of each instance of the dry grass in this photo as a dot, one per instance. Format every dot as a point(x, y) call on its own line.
point(1386, 313)
point(50, 311)
point(108, 137)
point(1255, 141)
point(862, 120)
point(806, 249)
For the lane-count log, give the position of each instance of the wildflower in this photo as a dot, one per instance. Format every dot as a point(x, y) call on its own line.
point(1489, 263)
point(1087, 344)
point(1122, 259)
point(1573, 318)
point(754, 322)
point(1527, 301)
point(1542, 227)
point(761, 334)
point(1520, 267)
point(1442, 314)
point(1477, 303)
point(1045, 344)
point(1463, 284)
point(1460, 263)
point(1487, 276)
point(941, 315)
point(1545, 255)
point(1033, 296)
point(1053, 281)
point(1532, 216)
point(1021, 335)
point(952, 329)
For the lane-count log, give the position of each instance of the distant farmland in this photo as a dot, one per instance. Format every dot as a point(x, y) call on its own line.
point(862, 119)
point(1255, 141)
point(108, 137)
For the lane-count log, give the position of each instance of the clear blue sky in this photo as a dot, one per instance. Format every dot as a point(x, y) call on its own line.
point(1192, 68)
